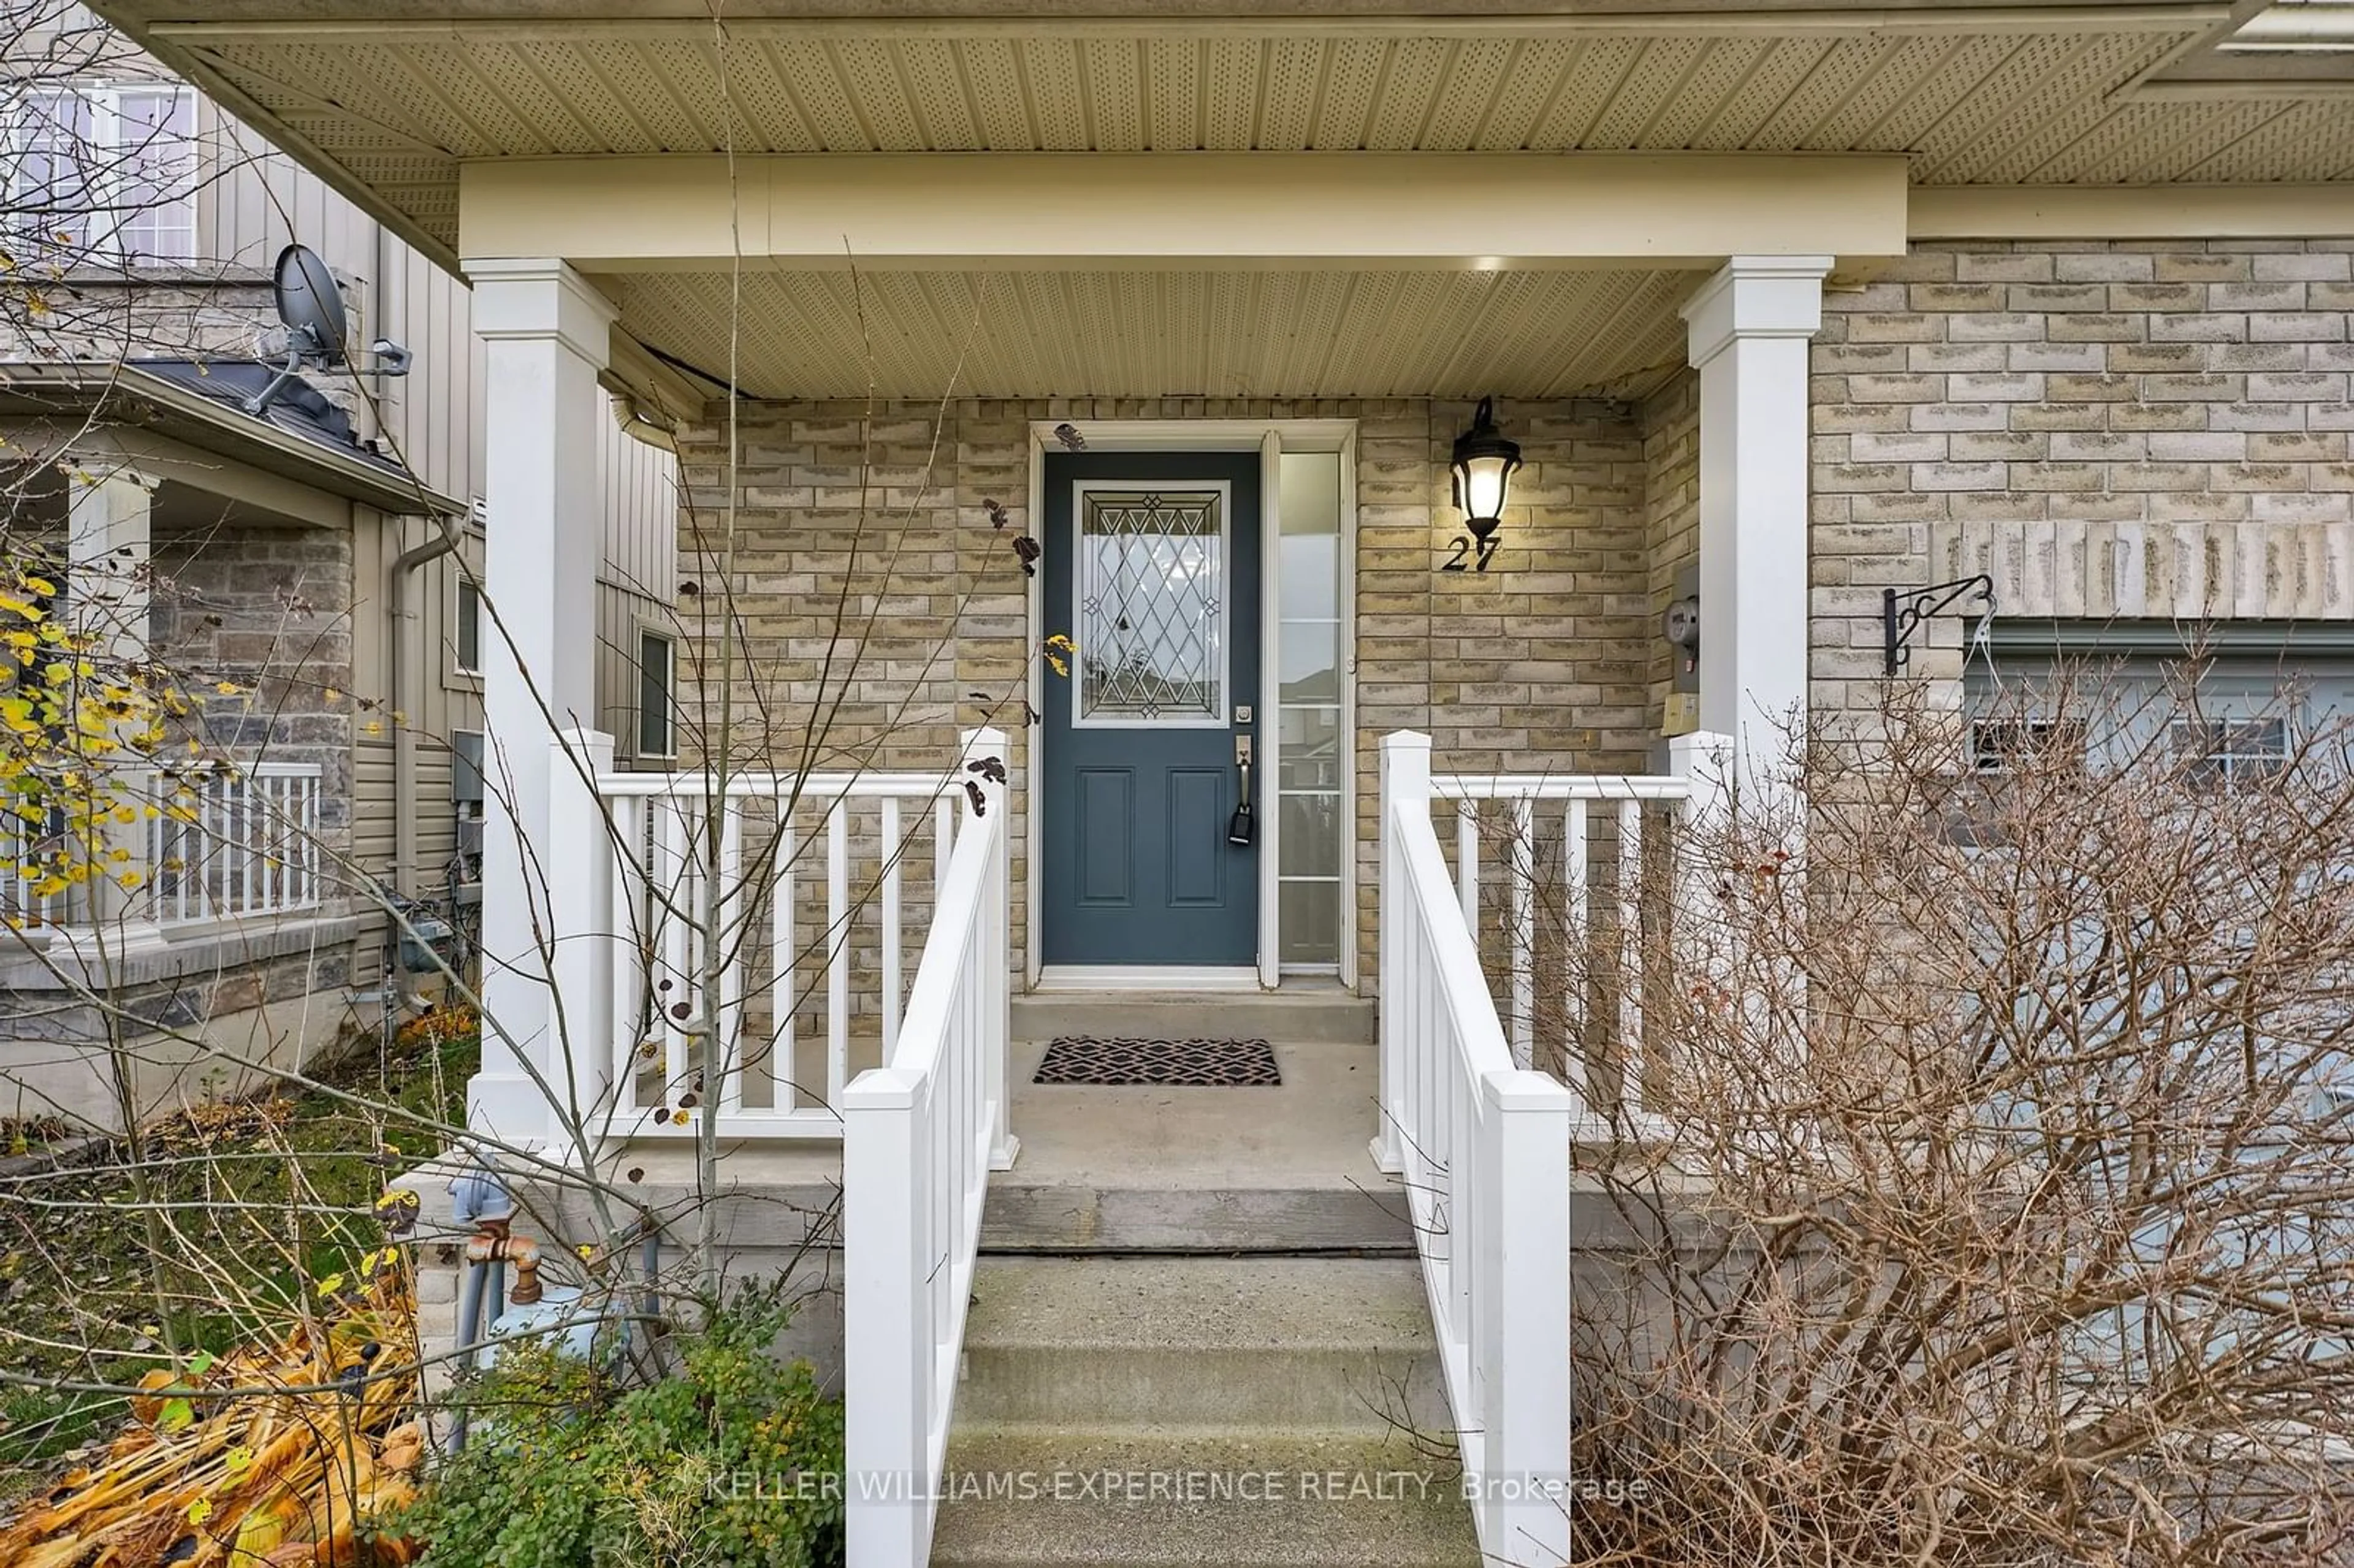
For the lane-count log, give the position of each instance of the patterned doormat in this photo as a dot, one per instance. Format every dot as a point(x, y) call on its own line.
point(1192, 1063)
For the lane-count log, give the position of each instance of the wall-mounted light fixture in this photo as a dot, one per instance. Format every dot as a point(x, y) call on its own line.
point(1483, 465)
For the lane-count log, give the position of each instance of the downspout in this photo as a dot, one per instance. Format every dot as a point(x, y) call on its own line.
point(404, 734)
point(445, 540)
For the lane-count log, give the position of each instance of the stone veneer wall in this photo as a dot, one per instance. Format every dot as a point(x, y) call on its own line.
point(2112, 430)
point(1539, 663)
point(270, 609)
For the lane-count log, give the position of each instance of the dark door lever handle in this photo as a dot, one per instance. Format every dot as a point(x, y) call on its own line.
point(1242, 828)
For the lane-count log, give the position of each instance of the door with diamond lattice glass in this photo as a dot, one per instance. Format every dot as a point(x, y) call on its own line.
point(1151, 570)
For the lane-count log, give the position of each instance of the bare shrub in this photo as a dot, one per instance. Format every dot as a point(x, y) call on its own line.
point(1996, 1211)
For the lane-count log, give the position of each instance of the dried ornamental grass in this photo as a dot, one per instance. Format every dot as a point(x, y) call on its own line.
point(274, 1454)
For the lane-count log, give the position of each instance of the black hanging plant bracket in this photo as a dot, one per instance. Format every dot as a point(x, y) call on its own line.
point(1903, 610)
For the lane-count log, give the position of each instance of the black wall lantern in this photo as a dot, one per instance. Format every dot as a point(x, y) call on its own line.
point(1483, 465)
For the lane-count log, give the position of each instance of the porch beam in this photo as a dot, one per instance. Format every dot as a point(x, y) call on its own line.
point(964, 211)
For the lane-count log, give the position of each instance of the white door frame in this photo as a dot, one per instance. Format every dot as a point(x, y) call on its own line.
point(1272, 437)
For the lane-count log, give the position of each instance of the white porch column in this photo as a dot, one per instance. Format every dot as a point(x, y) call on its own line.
point(545, 331)
point(1748, 328)
point(109, 540)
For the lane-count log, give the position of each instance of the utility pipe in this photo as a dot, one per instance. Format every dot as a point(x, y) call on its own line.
point(404, 736)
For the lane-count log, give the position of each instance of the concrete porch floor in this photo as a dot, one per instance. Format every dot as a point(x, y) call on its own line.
point(1199, 1169)
point(1140, 1169)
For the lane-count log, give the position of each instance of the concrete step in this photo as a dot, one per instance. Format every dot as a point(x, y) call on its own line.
point(1130, 1214)
point(1319, 1017)
point(1151, 1499)
point(1321, 1344)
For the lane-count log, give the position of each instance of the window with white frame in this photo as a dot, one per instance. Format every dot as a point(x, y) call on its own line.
point(103, 175)
point(1310, 789)
point(657, 700)
point(2226, 752)
point(2232, 714)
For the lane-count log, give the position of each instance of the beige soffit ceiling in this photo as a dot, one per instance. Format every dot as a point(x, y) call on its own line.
point(1202, 334)
point(2023, 96)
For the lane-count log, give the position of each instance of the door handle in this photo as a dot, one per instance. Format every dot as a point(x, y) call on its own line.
point(1242, 828)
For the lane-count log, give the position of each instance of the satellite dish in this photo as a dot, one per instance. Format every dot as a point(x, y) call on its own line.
point(311, 304)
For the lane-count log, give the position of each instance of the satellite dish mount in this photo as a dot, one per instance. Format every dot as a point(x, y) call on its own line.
point(311, 304)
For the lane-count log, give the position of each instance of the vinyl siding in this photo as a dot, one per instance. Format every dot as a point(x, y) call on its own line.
point(638, 584)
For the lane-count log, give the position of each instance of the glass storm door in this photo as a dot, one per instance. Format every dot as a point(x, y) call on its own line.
point(1152, 570)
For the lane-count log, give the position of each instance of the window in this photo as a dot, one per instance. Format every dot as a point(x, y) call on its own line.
point(103, 175)
point(467, 636)
point(2128, 688)
point(1310, 790)
point(2000, 745)
point(657, 660)
point(2229, 752)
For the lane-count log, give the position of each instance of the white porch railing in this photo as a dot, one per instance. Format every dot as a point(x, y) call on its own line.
point(813, 920)
point(235, 842)
point(922, 1132)
point(1525, 810)
point(1483, 1147)
point(24, 899)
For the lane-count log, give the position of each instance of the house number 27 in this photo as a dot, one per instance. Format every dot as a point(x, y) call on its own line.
point(1470, 555)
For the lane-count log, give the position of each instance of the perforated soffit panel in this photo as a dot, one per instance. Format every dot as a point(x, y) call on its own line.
point(1968, 102)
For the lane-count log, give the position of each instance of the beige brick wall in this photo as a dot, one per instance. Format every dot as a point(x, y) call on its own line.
point(1541, 663)
point(1671, 507)
point(2111, 430)
point(2127, 430)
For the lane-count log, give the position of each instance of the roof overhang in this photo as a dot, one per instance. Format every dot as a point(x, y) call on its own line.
point(394, 101)
point(124, 394)
point(1232, 198)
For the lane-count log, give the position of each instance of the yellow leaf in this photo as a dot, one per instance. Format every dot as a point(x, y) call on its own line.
point(200, 1510)
point(225, 688)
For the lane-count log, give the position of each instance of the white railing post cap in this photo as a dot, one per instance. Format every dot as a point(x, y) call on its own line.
point(1521, 1089)
point(882, 1089)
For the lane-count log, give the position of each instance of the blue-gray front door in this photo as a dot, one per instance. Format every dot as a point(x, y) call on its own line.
point(1151, 569)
